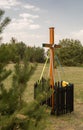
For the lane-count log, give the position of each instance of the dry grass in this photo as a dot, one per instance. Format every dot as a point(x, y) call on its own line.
point(73, 121)
point(8, 81)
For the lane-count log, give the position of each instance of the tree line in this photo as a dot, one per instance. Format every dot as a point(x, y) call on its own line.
point(15, 51)
point(70, 53)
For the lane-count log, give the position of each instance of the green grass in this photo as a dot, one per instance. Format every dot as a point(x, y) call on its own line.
point(73, 121)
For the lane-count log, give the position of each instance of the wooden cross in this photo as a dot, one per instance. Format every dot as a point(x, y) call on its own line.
point(52, 46)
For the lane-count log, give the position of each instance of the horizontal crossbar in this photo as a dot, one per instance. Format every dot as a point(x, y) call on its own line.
point(51, 45)
point(57, 46)
point(47, 45)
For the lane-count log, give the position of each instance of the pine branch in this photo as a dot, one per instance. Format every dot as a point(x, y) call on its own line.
point(4, 23)
point(4, 74)
point(1, 14)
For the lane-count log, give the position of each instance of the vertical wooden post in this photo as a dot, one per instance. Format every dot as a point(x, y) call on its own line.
point(51, 30)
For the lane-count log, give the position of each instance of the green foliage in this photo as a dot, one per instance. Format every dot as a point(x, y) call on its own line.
point(34, 117)
point(21, 48)
point(3, 93)
point(70, 53)
point(42, 90)
point(39, 55)
point(3, 22)
point(20, 78)
point(31, 117)
point(35, 54)
point(17, 51)
point(3, 73)
point(15, 114)
point(4, 54)
point(8, 102)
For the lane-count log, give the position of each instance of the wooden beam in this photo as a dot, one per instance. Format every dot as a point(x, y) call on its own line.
point(52, 46)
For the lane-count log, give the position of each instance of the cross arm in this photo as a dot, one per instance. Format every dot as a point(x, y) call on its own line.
point(51, 45)
point(46, 45)
point(57, 46)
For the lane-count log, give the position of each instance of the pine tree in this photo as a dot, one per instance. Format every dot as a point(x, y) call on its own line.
point(3, 75)
point(3, 22)
point(18, 114)
point(11, 101)
point(22, 74)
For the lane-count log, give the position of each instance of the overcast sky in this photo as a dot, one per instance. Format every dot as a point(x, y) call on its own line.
point(31, 19)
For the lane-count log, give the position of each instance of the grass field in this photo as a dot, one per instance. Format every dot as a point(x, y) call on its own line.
point(73, 121)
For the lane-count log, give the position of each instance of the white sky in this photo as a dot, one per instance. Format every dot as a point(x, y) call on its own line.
point(31, 19)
